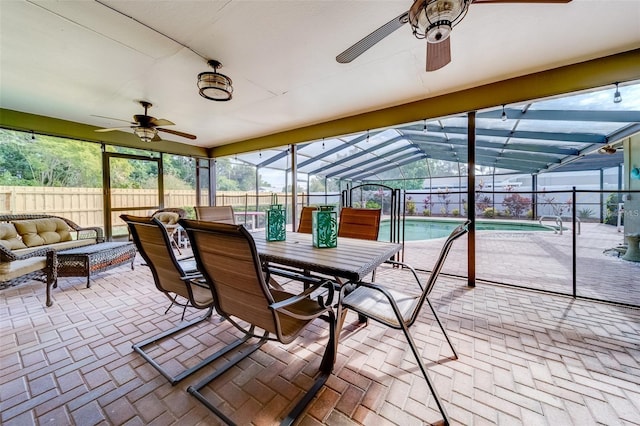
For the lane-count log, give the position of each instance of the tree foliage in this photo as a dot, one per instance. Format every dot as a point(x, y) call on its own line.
point(48, 161)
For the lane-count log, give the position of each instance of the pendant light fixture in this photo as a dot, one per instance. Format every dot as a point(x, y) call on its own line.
point(617, 97)
point(213, 85)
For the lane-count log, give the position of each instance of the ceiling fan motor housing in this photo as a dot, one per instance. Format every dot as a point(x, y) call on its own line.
point(434, 19)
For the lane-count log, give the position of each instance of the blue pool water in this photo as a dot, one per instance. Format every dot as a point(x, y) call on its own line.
point(427, 229)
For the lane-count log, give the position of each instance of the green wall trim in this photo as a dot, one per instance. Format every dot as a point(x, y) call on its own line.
point(586, 75)
point(39, 124)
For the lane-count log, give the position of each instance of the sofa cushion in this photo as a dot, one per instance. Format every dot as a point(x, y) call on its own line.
point(38, 232)
point(167, 218)
point(9, 237)
point(64, 245)
point(18, 268)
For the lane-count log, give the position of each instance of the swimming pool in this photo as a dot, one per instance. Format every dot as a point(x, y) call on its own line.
point(427, 229)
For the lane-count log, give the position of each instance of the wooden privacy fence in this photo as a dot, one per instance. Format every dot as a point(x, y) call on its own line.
point(85, 205)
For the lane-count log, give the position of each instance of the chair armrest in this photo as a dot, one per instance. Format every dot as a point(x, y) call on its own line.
point(409, 267)
point(91, 232)
point(196, 279)
point(7, 255)
point(84, 233)
point(324, 303)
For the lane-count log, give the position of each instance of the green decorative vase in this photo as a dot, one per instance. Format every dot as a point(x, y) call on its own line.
point(324, 229)
point(276, 221)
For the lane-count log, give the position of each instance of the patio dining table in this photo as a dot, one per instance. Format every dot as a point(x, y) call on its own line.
point(351, 260)
point(348, 263)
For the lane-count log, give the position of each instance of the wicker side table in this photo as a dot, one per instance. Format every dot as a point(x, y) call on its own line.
point(91, 260)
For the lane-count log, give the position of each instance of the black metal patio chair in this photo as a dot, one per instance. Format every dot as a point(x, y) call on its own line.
point(399, 310)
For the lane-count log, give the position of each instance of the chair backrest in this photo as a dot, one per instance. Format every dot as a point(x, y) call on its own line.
point(182, 213)
point(167, 218)
point(458, 232)
point(154, 245)
point(223, 214)
point(306, 219)
point(227, 257)
point(363, 224)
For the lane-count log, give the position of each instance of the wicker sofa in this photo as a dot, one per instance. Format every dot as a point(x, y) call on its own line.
point(28, 246)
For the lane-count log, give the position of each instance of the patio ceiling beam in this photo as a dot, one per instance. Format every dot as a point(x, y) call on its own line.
point(371, 173)
point(564, 115)
point(591, 162)
point(357, 154)
point(540, 158)
point(522, 166)
point(520, 134)
point(624, 132)
point(494, 161)
point(368, 162)
point(412, 156)
point(387, 158)
point(345, 145)
point(423, 139)
point(373, 168)
point(278, 156)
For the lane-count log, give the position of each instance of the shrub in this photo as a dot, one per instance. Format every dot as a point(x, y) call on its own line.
point(585, 213)
point(482, 203)
point(372, 205)
point(191, 212)
point(611, 216)
point(515, 204)
point(489, 212)
point(529, 214)
point(411, 207)
point(426, 212)
point(443, 211)
point(455, 212)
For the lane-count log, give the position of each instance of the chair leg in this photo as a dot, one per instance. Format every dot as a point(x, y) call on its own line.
point(195, 390)
point(139, 348)
point(446, 336)
point(175, 245)
point(326, 366)
point(432, 387)
point(172, 303)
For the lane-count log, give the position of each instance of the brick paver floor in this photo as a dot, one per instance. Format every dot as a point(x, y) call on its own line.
point(526, 358)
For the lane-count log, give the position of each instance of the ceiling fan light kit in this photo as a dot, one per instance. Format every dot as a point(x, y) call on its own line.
point(434, 19)
point(146, 134)
point(213, 85)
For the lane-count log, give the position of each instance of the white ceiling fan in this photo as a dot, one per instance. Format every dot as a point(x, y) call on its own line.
point(432, 20)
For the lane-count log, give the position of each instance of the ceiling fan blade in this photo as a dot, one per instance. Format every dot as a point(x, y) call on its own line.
point(177, 133)
point(111, 129)
point(160, 122)
point(438, 54)
point(111, 118)
point(521, 1)
point(365, 43)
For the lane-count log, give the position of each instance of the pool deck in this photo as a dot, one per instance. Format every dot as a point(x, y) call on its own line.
point(526, 358)
point(543, 261)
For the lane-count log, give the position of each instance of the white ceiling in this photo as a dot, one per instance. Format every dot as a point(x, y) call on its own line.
point(74, 60)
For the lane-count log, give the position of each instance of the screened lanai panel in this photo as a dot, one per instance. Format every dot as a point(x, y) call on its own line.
point(534, 137)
